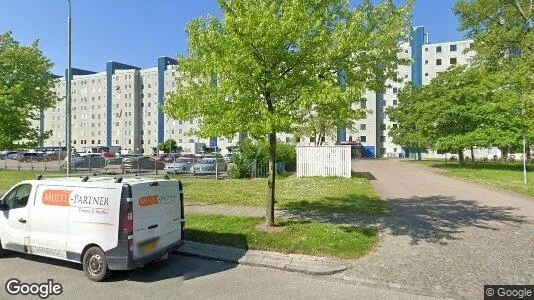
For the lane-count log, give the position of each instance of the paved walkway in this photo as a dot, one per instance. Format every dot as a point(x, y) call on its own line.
point(445, 235)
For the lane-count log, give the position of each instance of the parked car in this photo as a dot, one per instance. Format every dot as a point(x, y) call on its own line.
point(89, 161)
point(133, 164)
point(171, 157)
point(13, 155)
point(30, 156)
point(53, 156)
point(6, 154)
point(182, 164)
point(207, 165)
point(228, 158)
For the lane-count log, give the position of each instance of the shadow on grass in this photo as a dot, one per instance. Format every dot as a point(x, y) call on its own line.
point(217, 238)
point(351, 203)
point(481, 166)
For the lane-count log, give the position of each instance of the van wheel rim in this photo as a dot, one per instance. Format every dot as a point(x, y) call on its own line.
point(95, 265)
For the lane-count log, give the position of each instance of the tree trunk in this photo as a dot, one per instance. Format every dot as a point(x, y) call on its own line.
point(504, 153)
point(271, 179)
point(472, 155)
point(461, 156)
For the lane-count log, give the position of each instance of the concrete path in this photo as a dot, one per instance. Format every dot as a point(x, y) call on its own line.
point(446, 236)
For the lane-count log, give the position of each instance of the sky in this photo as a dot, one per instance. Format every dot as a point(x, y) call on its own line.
point(136, 32)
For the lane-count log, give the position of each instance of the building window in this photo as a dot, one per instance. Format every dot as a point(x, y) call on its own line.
point(179, 140)
point(363, 103)
point(312, 139)
point(382, 151)
point(438, 49)
point(426, 61)
point(382, 139)
point(395, 90)
point(363, 126)
point(453, 48)
point(382, 126)
point(395, 102)
point(406, 51)
point(191, 140)
point(395, 150)
point(350, 138)
point(438, 62)
point(426, 49)
point(453, 60)
point(426, 74)
point(363, 139)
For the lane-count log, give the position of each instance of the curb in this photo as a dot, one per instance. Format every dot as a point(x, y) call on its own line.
point(305, 264)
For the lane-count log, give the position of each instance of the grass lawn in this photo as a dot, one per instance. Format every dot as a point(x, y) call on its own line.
point(311, 238)
point(310, 194)
point(8, 178)
point(508, 176)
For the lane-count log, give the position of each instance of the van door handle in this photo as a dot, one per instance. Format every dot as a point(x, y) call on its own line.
point(152, 226)
point(21, 220)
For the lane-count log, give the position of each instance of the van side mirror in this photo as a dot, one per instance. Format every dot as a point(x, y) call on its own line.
point(4, 206)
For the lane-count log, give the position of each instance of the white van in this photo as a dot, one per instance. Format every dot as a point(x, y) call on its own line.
point(103, 223)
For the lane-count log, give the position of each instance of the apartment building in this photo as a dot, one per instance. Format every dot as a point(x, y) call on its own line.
point(122, 106)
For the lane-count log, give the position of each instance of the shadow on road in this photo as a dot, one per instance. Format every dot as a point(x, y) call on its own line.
point(366, 175)
point(435, 219)
point(175, 267)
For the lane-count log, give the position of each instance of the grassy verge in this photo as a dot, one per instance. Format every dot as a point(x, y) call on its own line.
point(8, 178)
point(311, 238)
point(311, 194)
point(508, 176)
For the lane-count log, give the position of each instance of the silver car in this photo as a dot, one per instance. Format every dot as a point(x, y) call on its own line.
point(180, 165)
point(207, 165)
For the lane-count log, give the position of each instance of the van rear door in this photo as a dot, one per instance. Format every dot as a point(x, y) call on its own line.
point(146, 218)
point(171, 221)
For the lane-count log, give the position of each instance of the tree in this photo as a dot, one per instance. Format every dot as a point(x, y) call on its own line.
point(168, 146)
point(262, 67)
point(26, 84)
point(464, 107)
point(503, 31)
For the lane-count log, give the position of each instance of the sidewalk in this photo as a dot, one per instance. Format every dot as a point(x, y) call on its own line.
point(312, 265)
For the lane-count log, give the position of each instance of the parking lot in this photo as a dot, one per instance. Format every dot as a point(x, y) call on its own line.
point(94, 163)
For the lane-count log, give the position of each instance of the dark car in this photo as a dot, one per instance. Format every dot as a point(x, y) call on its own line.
point(89, 161)
point(30, 156)
point(134, 164)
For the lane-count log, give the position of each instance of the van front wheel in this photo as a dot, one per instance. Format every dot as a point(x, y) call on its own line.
point(95, 265)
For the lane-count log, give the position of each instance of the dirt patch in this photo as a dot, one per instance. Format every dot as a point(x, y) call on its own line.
point(269, 229)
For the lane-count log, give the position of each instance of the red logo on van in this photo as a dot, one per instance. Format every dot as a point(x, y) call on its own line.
point(148, 200)
point(56, 197)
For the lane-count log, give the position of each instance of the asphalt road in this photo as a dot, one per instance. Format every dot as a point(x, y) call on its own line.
point(183, 277)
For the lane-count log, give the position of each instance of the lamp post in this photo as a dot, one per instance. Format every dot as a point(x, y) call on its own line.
point(68, 100)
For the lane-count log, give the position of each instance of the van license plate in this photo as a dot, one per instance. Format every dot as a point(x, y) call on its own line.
point(146, 248)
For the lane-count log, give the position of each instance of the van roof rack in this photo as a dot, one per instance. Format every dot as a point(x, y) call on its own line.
point(118, 180)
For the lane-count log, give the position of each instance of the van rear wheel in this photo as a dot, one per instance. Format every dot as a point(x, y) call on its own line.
point(95, 265)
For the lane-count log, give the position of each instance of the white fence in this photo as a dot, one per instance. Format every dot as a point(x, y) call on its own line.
point(324, 161)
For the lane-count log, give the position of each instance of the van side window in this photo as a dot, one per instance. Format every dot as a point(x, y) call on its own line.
point(18, 197)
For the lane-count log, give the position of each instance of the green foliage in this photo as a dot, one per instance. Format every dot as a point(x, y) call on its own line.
point(463, 107)
point(26, 84)
point(168, 146)
point(275, 61)
point(503, 33)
